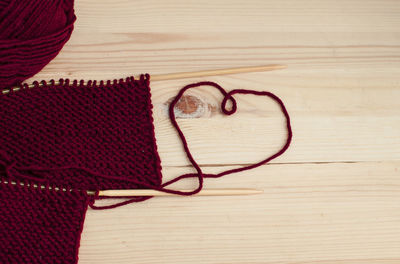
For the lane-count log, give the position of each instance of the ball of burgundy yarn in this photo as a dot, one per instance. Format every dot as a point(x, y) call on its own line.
point(32, 33)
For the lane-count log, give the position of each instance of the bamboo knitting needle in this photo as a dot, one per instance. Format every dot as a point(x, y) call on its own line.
point(149, 192)
point(183, 75)
point(204, 192)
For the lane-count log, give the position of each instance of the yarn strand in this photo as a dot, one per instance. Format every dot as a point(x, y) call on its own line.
point(228, 96)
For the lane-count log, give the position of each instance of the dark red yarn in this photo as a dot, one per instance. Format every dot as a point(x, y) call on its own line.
point(40, 226)
point(32, 32)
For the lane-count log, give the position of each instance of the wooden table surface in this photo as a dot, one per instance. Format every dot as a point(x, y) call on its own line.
point(334, 197)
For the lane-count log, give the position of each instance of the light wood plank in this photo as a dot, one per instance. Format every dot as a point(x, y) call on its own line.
point(309, 213)
point(253, 139)
point(113, 40)
point(330, 123)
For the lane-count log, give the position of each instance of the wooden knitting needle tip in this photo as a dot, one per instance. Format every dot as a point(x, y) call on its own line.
point(182, 75)
point(204, 192)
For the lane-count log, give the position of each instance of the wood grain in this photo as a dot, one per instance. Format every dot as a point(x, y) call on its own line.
point(326, 213)
point(334, 197)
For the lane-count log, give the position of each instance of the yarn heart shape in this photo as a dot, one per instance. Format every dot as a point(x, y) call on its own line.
point(228, 96)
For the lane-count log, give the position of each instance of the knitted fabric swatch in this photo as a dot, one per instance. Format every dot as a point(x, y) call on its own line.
point(104, 127)
point(40, 226)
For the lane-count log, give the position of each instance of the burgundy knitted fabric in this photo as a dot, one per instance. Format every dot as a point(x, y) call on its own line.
point(106, 128)
point(103, 127)
point(40, 226)
point(32, 32)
